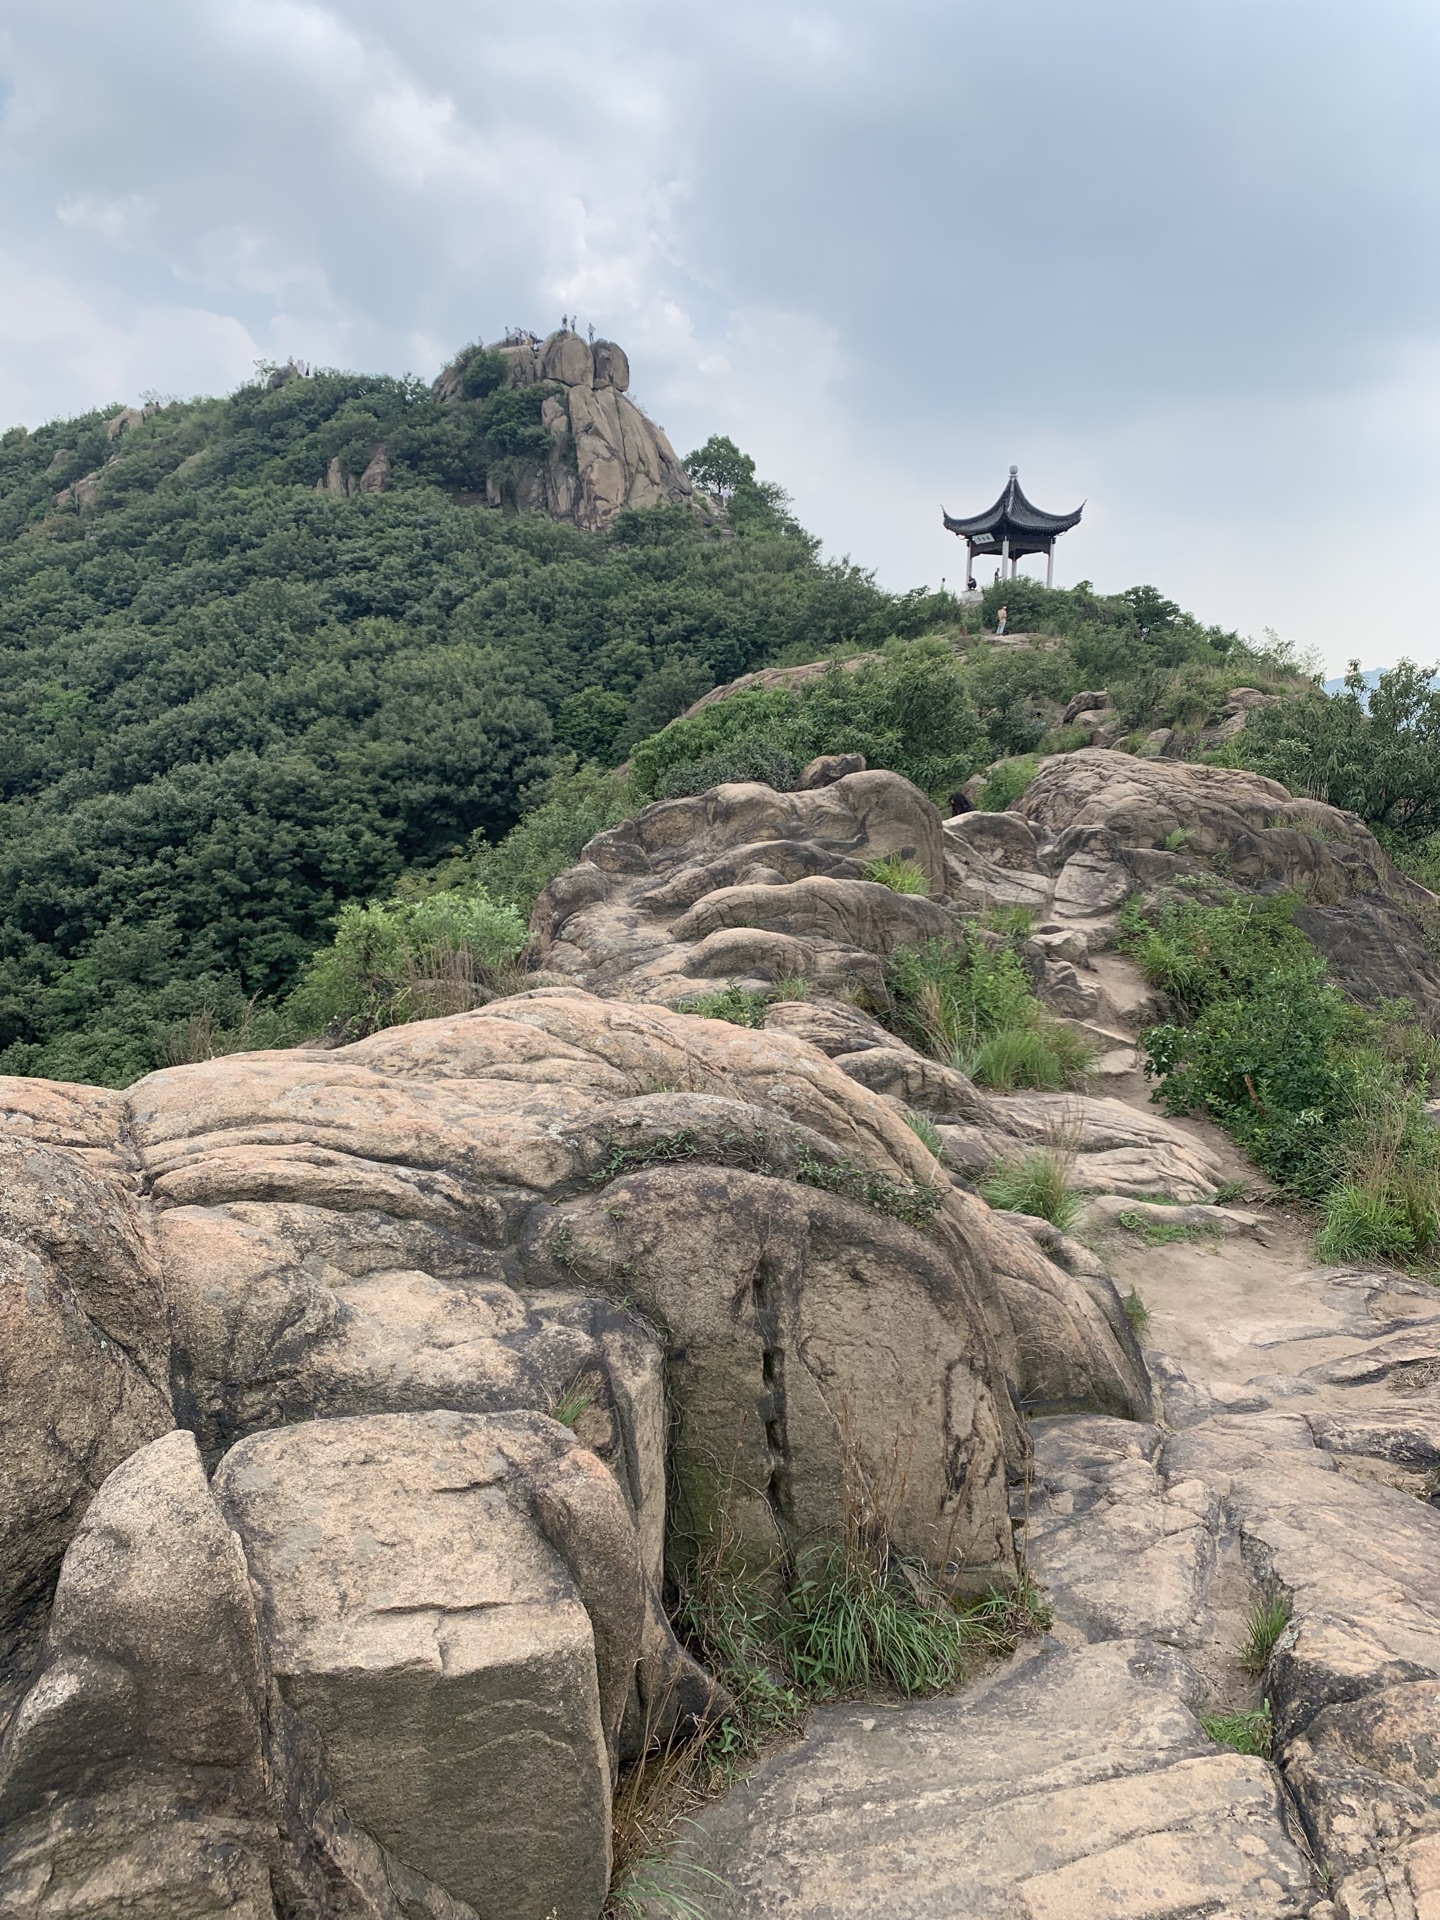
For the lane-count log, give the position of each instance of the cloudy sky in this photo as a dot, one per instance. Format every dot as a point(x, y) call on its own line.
point(1176, 257)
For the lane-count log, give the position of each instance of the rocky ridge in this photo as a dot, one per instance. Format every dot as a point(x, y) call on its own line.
point(312, 1601)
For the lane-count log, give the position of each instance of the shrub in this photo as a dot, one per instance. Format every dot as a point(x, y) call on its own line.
point(897, 873)
point(407, 960)
point(573, 806)
point(1005, 783)
point(739, 1005)
point(746, 759)
point(908, 711)
point(1063, 740)
point(1325, 1095)
point(1038, 1184)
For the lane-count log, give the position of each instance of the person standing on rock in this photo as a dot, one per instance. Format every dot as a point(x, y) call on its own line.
point(1000, 622)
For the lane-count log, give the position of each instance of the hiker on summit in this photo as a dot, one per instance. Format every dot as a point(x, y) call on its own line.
point(1000, 622)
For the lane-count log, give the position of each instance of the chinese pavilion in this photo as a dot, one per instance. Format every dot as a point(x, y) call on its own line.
point(1011, 529)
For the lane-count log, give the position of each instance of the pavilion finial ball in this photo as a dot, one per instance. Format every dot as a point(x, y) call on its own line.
point(1013, 472)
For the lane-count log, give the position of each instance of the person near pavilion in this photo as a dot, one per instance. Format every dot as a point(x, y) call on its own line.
point(1000, 621)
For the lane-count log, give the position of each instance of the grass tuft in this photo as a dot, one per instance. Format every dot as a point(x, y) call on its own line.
point(1244, 1732)
point(1158, 1233)
point(1038, 1184)
point(576, 1400)
point(661, 1886)
point(1136, 1312)
point(969, 1004)
point(1046, 1055)
point(1267, 1620)
point(738, 1005)
point(925, 1129)
point(854, 1622)
point(901, 875)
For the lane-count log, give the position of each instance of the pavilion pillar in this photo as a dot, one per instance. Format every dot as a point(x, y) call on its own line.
point(1006, 570)
point(1050, 565)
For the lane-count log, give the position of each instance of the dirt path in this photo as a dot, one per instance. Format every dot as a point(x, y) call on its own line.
point(1295, 1446)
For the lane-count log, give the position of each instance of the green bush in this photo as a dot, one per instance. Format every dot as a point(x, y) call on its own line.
point(1005, 783)
point(908, 711)
point(1374, 752)
point(405, 960)
point(572, 806)
point(751, 758)
point(1326, 1096)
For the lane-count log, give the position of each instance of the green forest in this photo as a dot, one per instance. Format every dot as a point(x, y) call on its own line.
point(234, 704)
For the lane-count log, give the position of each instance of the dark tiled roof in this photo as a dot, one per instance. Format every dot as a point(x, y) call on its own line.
point(1012, 513)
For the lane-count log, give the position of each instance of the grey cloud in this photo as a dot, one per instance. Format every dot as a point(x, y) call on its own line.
point(1131, 245)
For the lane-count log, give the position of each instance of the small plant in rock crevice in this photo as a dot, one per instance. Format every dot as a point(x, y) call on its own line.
point(576, 1400)
point(1136, 1312)
point(1248, 1733)
point(912, 1202)
point(1160, 1233)
point(925, 1130)
point(741, 1006)
point(904, 1200)
point(1267, 1620)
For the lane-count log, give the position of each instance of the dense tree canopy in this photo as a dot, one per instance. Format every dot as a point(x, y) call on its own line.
point(230, 702)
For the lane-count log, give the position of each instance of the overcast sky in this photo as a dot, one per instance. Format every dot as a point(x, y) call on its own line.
point(1176, 257)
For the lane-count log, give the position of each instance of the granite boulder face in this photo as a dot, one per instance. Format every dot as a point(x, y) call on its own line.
point(606, 454)
point(345, 1621)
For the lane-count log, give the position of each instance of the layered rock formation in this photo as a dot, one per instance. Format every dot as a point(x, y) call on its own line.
point(358, 1404)
point(354, 1285)
point(605, 453)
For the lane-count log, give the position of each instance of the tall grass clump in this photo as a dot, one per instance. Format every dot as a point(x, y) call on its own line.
point(1328, 1097)
point(1037, 1183)
point(1267, 1620)
point(969, 1004)
point(897, 873)
point(401, 960)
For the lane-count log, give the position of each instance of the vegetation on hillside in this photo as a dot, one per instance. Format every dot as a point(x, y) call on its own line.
point(1327, 1097)
point(230, 703)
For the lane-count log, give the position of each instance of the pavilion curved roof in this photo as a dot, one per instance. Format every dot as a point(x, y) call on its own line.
point(1013, 514)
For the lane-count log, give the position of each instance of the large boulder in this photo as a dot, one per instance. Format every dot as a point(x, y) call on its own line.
point(455, 1605)
point(605, 456)
point(745, 882)
point(1096, 827)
